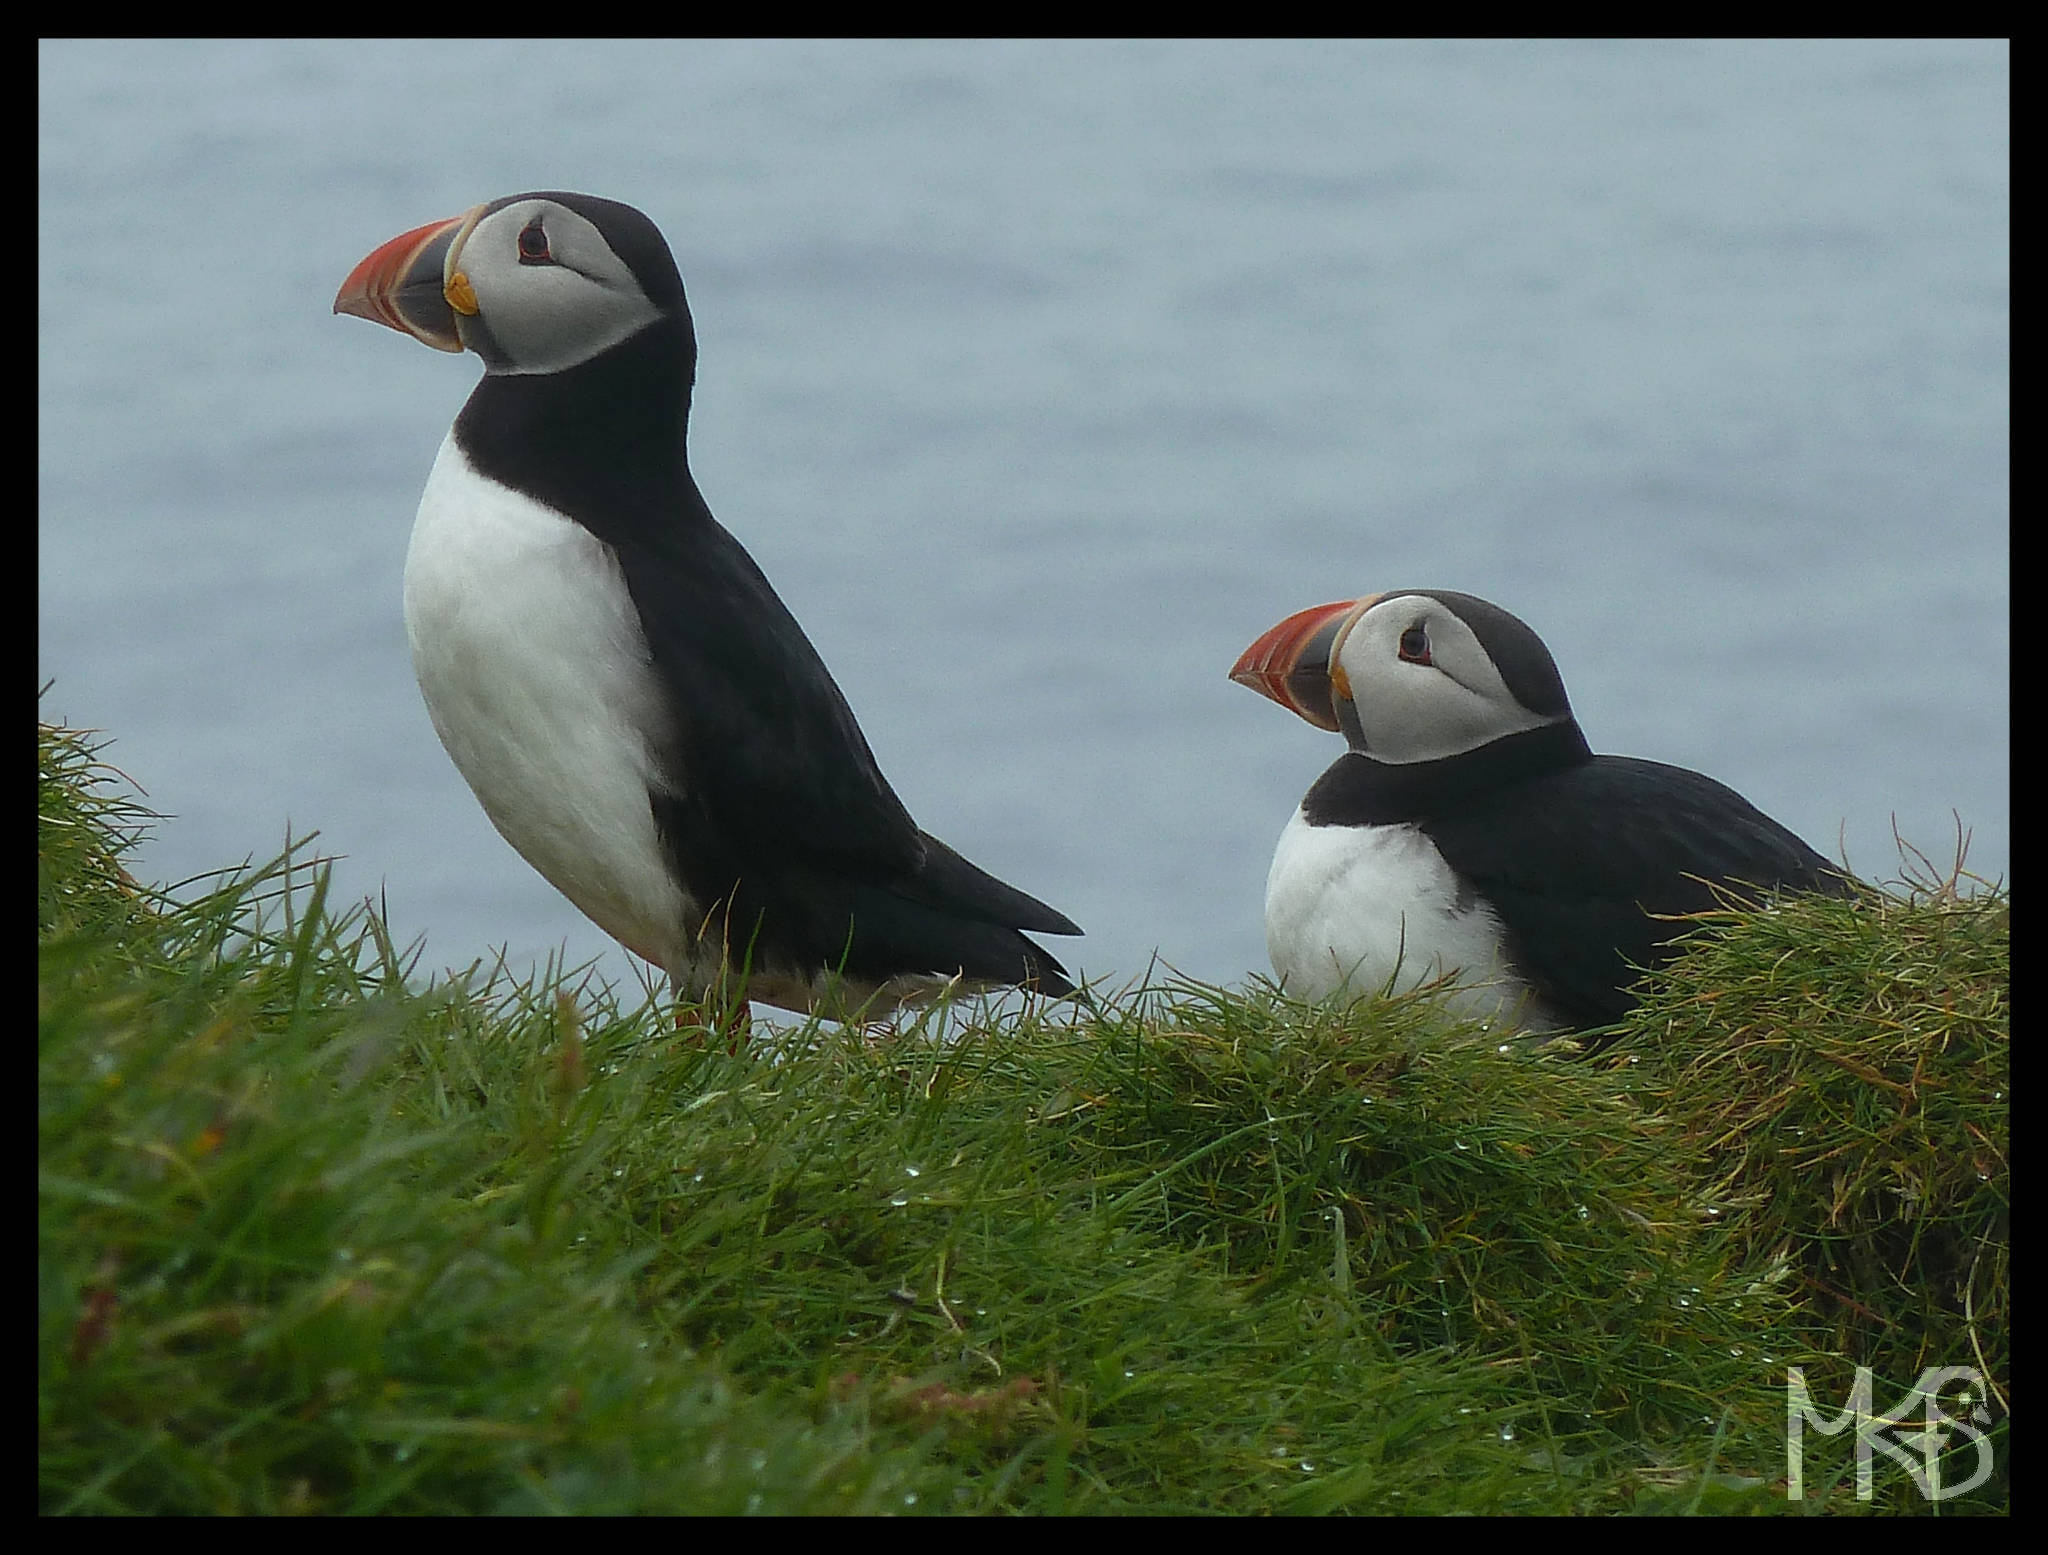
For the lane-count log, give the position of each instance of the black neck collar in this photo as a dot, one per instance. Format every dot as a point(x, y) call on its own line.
point(1359, 791)
point(603, 442)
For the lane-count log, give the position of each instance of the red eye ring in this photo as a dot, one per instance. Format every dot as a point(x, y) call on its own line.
point(533, 245)
point(1414, 646)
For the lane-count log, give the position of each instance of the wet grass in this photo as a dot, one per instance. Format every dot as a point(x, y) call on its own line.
point(318, 1234)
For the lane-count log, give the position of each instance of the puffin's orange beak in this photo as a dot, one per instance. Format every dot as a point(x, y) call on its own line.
point(412, 283)
point(1291, 663)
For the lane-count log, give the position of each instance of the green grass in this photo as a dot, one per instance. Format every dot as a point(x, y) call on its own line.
point(316, 1236)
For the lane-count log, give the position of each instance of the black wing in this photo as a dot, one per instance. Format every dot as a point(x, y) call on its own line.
point(1578, 862)
point(779, 803)
point(760, 728)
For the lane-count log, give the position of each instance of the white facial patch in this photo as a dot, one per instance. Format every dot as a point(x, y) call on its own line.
point(1409, 711)
point(549, 316)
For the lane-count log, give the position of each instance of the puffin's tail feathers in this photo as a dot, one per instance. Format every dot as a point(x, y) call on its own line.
point(951, 884)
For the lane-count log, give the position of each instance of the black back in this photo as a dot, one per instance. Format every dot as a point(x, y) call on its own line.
point(778, 807)
point(1577, 853)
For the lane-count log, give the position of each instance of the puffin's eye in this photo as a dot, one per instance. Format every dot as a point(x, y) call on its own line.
point(1415, 646)
point(533, 244)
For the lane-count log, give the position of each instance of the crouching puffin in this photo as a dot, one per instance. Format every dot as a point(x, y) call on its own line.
point(1470, 832)
point(639, 714)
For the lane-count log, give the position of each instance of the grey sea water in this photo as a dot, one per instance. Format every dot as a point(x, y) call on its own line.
point(1040, 377)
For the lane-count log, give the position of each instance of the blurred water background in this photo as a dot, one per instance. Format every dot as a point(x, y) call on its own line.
point(1042, 376)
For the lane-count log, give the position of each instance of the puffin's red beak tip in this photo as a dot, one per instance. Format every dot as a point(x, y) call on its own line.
point(398, 284)
point(1290, 663)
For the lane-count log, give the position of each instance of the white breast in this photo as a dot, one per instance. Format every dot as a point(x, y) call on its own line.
point(1371, 909)
point(536, 673)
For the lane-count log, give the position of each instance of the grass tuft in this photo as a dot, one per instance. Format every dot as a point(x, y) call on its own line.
point(1842, 1070)
point(319, 1235)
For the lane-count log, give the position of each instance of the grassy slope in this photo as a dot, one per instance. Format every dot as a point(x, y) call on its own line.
point(313, 1240)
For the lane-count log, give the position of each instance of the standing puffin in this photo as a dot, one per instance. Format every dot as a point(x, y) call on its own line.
point(639, 714)
point(1470, 830)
